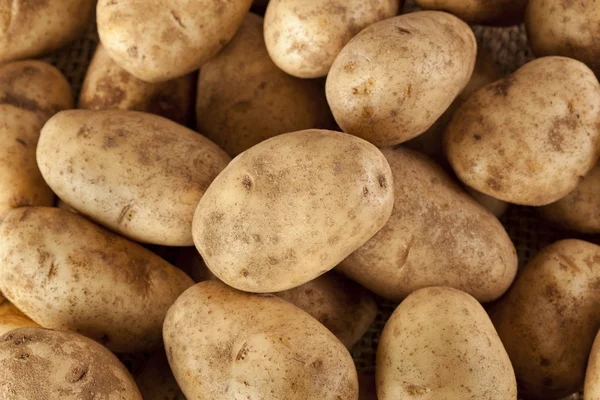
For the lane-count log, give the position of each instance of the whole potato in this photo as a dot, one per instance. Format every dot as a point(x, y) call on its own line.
point(157, 41)
point(394, 79)
point(292, 207)
point(243, 98)
point(528, 138)
point(441, 344)
point(138, 174)
point(437, 235)
point(224, 344)
point(497, 12)
point(156, 381)
point(64, 272)
point(549, 318)
point(304, 37)
point(11, 318)
point(591, 389)
point(41, 364)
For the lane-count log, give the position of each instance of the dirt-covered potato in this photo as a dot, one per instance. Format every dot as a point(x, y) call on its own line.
point(440, 344)
point(493, 205)
point(11, 318)
point(65, 272)
point(109, 87)
point(304, 37)
point(292, 207)
point(243, 98)
point(437, 236)
point(497, 12)
point(224, 344)
point(41, 364)
point(530, 137)
point(156, 381)
point(138, 174)
point(394, 79)
point(157, 41)
point(549, 318)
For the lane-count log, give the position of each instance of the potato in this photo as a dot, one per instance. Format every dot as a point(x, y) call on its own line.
point(394, 79)
point(138, 174)
point(156, 381)
point(591, 389)
point(498, 12)
point(11, 318)
point(292, 207)
point(223, 344)
point(33, 28)
point(549, 318)
point(64, 272)
point(109, 87)
point(528, 138)
point(304, 37)
point(441, 344)
point(437, 235)
point(243, 98)
point(345, 308)
point(41, 364)
point(495, 206)
point(157, 41)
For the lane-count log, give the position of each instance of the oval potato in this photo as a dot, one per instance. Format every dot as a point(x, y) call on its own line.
point(11, 318)
point(591, 389)
point(156, 381)
point(497, 12)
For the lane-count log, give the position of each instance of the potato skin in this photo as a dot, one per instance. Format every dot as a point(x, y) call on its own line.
point(41, 364)
point(292, 207)
point(440, 344)
point(11, 318)
point(389, 54)
point(156, 381)
point(244, 98)
point(591, 389)
point(528, 144)
point(253, 346)
point(138, 174)
point(65, 272)
point(497, 12)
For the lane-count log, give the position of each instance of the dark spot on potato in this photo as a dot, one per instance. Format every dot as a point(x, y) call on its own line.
point(76, 374)
point(241, 355)
point(132, 52)
point(247, 182)
point(544, 362)
point(350, 67)
point(382, 181)
point(501, 87)
point(493, 184)
point(365, 191)
point(367, 112)
point(245, 273)
point(317, 364)
point(177, 19)
point(109, 143)
point(262, 85)
point(477, 137)
point(23, 356)
point(402, 31)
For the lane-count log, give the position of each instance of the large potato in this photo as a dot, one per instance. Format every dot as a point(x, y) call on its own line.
point(64, 272)
point(156, 381)
point(223, 344)
point(394, 79)
point(11, 318)
point(292, 207)
point(528, 138)
point(243, 98)
point(440, 344)
point(437, 236)
point(496, 12)
point(591, 389)
point(138, 174)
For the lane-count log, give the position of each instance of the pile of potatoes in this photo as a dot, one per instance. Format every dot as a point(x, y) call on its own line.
point(233, 230)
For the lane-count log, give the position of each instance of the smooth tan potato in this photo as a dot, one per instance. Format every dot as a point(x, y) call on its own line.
point(497, 12)
point(156, 381)
point(243, 98)
point(109, 87)
point(549, 318)
point(437, 236)
point(394, 79)
point(292, 207)
point(157, 41)
point(41, 364)
point(224, 344)
point(526, 143)
point(11, 318)
point(64, 272)
point(495, 206)
point(441, 344)
point(304, 37)
point(591, 390)
point(138, 174)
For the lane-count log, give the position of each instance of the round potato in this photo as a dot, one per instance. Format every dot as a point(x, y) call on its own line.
point(497, 12)
point(224, 344)
point(591, 390)
point(243, 98)
point(378, 88)
point(11, 318)
point(157, 41)
point(64, 272)
point(440, 344)
point(156, 381)
point(292, 207)
point(138, 174)
point(40, 364)
point(525, 143)
point(304, 37)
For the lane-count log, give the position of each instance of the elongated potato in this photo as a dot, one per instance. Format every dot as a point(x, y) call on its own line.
point(156, 381)
point(497, 12)
point(11, 318)
point(138, 174)
point(224, 344)
point(65, 272)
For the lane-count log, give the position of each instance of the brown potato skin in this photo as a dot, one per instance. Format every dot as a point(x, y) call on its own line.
point(11, 318)
point(156, 381)
point(494, 12)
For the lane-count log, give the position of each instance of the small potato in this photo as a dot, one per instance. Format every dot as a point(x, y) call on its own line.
point(495, 206)
point(64, 272)
point(394, 79)
point(243, 98)
point(224, 344)
point(41, 364)
point(138, 174)
point(11, 318)
point(156, 381)
point(440, 344)
point(497, 12)
point(292, 207)
point(529, 138)
point(303, 37)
